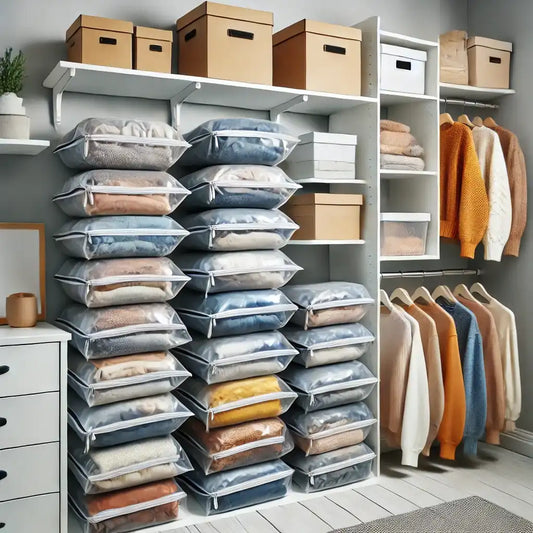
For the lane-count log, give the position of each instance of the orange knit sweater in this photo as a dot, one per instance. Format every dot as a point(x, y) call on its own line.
point(464, 206)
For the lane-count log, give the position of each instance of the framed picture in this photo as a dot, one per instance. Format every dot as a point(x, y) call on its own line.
point(22, 264)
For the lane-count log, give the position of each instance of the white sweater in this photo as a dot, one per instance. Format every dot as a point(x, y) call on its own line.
point(415, 424)
point(494, 171)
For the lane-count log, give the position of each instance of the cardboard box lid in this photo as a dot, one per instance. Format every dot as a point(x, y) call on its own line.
point(326, 199)
point(402, 51)
point(99, 23)
point(490, 43)
point(405, 217)
point(153, 33)
point(328, 138)
point(321, 28)
point(230, 12)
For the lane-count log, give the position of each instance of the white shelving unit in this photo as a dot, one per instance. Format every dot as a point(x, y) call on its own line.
point(468, 92)
point(22, 146)
point(325, 243)
point(400, 174)
point(308, 181)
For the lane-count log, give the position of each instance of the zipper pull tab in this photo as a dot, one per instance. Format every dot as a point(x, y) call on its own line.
point(85, 148)
point(312, 481)
point(212, 323)
point(211, 192)
point(215, 502)
point(311, 403)
point(90, 197)
point(89, 238)
point(212, 233)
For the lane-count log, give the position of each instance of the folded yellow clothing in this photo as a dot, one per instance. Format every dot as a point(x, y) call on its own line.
point(396, 138)
point(391, 125)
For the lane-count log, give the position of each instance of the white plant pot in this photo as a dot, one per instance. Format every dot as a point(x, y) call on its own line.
point(11, 104)
point(14, 127)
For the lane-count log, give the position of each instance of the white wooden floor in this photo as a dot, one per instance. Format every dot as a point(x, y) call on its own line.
point(497, 475)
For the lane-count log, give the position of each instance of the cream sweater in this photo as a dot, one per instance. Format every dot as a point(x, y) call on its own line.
point(494, 172)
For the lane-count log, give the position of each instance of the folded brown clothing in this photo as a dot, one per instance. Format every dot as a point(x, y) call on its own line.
point(412, 151)
point(391, 125)
point(396, 138)
point(401, 162)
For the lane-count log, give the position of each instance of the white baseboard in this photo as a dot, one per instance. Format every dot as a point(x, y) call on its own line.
point(519, 441)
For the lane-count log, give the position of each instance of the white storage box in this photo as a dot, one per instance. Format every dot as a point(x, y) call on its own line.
point(323, 155)
point(404, 233)
point(403, 69)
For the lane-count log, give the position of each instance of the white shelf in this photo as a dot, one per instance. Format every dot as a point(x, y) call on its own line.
point(480, 94)
point(397, 39)
point(409, 257)
point(395, 98)
point(330, 181)
point(332, 242)
point(22, 146)
point(177, 88)
point(401, 174)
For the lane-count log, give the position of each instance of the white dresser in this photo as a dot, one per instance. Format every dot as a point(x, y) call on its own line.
point(33, 429)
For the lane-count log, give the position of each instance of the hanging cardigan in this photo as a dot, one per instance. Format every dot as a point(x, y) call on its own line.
point(464, 207)
point(516, 171)
point(494, 172)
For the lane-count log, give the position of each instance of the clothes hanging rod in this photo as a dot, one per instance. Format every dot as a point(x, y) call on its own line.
point(468, 103)
point(431, 273)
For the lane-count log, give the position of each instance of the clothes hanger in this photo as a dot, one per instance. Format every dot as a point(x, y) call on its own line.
point(442, 291)
point(479, 290)
point(478, 121)
point(463, 119)
point(384, 300)
point(402, 295)
point(462, 290)
point(422, 294)
point(490, 122)
point(445, 118)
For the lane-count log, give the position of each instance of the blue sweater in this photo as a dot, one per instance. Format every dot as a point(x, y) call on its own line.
point(471, 351)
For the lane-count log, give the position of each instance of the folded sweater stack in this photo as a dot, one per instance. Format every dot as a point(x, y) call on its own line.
point(398, 147)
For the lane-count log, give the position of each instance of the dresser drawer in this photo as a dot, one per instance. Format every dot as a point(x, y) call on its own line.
point(39, 514)
point(26, 420)
point(29, 471)
point(28, 369)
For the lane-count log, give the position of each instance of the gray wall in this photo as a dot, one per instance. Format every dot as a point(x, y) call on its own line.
point(510, 281)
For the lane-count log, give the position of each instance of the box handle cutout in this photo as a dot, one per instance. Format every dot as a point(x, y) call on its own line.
point(3, 474)
point(335, 49)
point(403, 65)
point(496, 60)
point(241, 34)
point(108, 40)
point(2, 525)
point(4, 369)
point(3, 421)
point(156, 48)
point(190, 35)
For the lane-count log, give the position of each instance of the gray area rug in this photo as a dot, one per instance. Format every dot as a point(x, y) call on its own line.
point(470, 515)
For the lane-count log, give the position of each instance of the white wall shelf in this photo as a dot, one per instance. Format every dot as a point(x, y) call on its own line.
point(426, 257)
point(468, 92)
point(331, 242)
point(22, 146)
point(397, 39)
point(177, 89)
point(305, 181)
point(388, 98)
point(402, 174)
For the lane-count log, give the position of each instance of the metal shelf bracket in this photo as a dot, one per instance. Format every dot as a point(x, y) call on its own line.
point(177, 101)
point(275, 112)
point(57, 94)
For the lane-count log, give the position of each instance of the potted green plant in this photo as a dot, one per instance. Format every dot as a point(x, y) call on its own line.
point(14, 124)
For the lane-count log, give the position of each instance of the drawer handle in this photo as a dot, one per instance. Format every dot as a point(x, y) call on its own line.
point(403, 65)
point(3, 421)
point(241, 34)
point(4, 369)
point(335, 49)
point(3, 474)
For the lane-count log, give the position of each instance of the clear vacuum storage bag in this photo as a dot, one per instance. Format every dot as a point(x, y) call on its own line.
point(127, 421)
point(238, 488)
point(123, 330)
point(120, 236)
point(238, 141)
point(126, 465)
point(330, 385)
point(238, 186)
point(234, 313)
point(140, 375)
point(235, 402)
point(329, 429)
point(328, 303)
point(236, 357)
point(237, 271)
point(232, 447)
point(126, 510)
point(120, 192)
point(232, 230)
point(107, 282)
point(331, 469)
point(113, 143)
point(329, 344)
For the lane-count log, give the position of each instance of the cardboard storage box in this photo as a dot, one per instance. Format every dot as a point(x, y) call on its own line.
point(152, 49)
point(318, 57)
point(100, 41)
point(454, 57)
point(403, 69)
point(489, 62)
point(323, 155)
point(403, 233)
point(226, 42)
point(326, 216)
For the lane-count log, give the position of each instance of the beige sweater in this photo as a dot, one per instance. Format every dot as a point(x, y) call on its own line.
point(494, 172)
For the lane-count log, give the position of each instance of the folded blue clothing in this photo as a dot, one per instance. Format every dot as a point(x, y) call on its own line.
point(234, 313)
point(238, 141)
point(120, 236)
